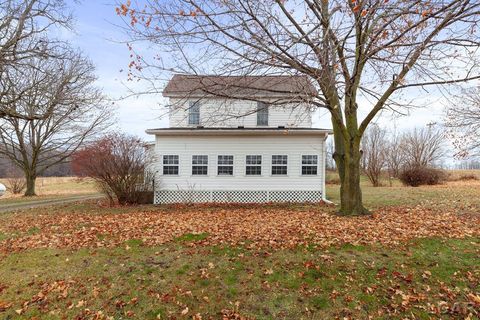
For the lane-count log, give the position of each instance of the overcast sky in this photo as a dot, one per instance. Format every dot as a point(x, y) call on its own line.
point(97, 36)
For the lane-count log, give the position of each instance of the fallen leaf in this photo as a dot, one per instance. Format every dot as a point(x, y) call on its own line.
point(4, 305)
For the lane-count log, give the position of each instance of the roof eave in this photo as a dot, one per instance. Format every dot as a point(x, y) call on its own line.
point(196, 95)
point(226, 131)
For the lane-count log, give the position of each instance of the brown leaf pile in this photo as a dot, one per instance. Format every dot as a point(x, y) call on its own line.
point(259, 227)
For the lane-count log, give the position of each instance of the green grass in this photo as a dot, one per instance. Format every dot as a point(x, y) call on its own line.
point(285, 284)
point(190, 237)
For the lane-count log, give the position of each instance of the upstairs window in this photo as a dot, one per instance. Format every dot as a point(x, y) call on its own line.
point(225, 165)
point(170, 165)
point(253, 165)
point(309, 165)
point(279, 165)
point(262, 114)
point(194, 113)
point(199, 165)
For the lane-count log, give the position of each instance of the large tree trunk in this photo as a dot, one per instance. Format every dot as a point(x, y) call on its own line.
point(350, 191)
point(347, 158)
point(30, 179)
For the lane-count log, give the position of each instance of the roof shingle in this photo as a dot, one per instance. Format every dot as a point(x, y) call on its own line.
point(239, 86)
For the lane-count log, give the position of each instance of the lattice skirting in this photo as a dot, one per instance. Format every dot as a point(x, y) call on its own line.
point(236, 196)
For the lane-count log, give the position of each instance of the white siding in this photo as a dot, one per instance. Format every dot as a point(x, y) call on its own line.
point(239, 147)
point(216, 112)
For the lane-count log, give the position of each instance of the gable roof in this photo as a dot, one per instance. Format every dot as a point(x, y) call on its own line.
point(239, 86)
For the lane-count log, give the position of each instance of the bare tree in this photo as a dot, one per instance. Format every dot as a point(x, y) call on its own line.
point(423, 147)
point(359, 54)
point(24, 31)
point(330, 150)
point(374, 157)
point(395, 157)
point(463, 120)
point(79, 113)
point(118, 163)
point(15, 180)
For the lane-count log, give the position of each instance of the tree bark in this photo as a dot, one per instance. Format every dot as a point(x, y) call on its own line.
point(30, 179)
point(349, 169)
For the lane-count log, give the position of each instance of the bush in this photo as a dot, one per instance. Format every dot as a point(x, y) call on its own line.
point(15, 180)
point(117, 163)
point(416, 176)
point(16, 184)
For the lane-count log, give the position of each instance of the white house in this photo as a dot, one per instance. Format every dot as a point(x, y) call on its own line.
point(239, 139)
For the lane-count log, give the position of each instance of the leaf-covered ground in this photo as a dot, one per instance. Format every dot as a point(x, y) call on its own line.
point(255, 226)
point(413, 259)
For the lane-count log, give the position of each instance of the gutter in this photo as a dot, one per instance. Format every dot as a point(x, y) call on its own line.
point(226, 131)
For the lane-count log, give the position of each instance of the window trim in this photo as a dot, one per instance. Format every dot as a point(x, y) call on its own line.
point(226, 165)
point(262, 111)
point(201, 165)
point(194, 109)
point(309, 165)
point(253, 165)
point(175, 164)
point(279, 165)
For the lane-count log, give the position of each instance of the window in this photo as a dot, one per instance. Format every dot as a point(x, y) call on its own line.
point(194, 113)
point(199, 165)
point(279, 165)
point(254, 165)
point(225, 165)
point(262, 114)
point(170, 165)
point(309, 165)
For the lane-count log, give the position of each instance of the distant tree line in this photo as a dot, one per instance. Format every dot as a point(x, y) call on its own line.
point(8, 169)
point(468, 165)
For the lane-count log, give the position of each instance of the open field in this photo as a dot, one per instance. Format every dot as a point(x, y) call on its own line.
point(52, 188)
point(416, 257)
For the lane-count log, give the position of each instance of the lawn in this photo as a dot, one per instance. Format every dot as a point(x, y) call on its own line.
point(416, 257)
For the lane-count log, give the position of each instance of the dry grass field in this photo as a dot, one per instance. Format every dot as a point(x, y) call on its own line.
point(416, 257)
point(52, 188)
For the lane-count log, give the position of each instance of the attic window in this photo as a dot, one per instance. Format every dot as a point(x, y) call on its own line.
point(194, 113)
point(262, 114)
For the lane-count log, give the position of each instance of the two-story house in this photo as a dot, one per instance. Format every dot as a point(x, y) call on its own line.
point(239, 139)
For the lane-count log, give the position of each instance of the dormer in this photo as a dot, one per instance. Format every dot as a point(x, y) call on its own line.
point(239, 101)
